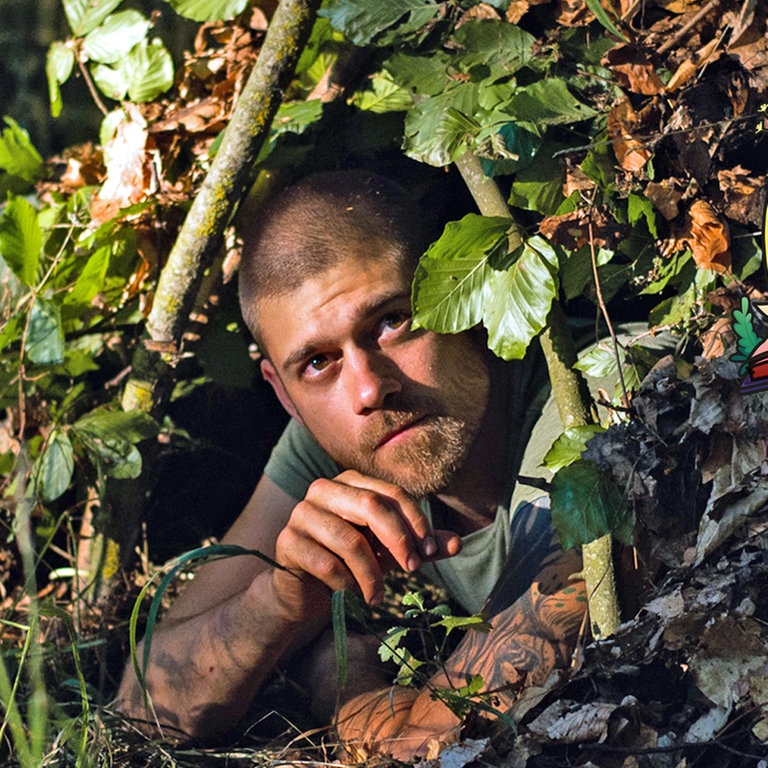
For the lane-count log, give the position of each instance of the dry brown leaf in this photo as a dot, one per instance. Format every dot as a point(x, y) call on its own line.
point(629, 151)
point(576, 179)
point(566, 722)
point(716, 341)
point(691, 66)
point(679, 6)
point(634, 69)
point(708, 237)
point(129, 172)
point(571, 13)
point(743, 195)
point(665, 197)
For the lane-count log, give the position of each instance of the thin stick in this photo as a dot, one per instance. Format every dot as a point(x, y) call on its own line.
point(686, 28)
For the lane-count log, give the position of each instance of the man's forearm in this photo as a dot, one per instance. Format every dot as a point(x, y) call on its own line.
point(205, 670)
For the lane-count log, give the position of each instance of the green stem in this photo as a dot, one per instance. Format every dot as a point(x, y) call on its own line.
point(571, 397)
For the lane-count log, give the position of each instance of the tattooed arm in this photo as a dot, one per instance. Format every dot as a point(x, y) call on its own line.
point(533, 635)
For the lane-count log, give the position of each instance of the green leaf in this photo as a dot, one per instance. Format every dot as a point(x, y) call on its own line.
point(547, 102)
point(384, 96)
point(340, 644)
point(517, 300)
point(433, 135)
point(54, 467)
point(208, 10)
point(58, 67)
point(21, 240)
point(639, 207)
point(599, 361)
point(512, 147)
point(476, 622)
point(17, 155)
point(586, 505)
point(569, 446)
point(114, 39)
point(449, 285)
point(420, 74)
point(602, 16)
point(149, 69)
point(362, 20)
point(111, 81)
point(490, 49)
point(389, 648)
point(415, 599)
point(131, 426)
point(45, 337)
point(539, 186)
point(85, 15)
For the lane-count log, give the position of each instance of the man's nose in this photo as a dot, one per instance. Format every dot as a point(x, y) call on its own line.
point(371, 376)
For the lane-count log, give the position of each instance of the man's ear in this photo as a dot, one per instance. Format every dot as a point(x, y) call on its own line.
point(270, 374)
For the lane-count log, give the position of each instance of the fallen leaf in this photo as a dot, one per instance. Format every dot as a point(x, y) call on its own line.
point(634, 69)
point(629, 151)
point(665, 197)
point(567, 722)
point(708, 237)
point(688, 68)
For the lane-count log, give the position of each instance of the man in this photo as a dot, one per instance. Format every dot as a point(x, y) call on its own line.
point(402, 452)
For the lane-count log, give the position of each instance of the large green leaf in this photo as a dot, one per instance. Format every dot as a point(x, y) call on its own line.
point(114, 39)
point(85, 15)
point(420, 74)
point(383, 96)
point(587, 504)
point(208, 10)
point(21, 240)
point(54, 467)
point(17, 155)
point(58, 67)
point(517, 299)
point(131, 426)
point(362, 20)
point(149, 69)
point(491, 49)
point(547, 102)
point(433, 135)
point(449, 285)
point(539, 186)
point(45, 337)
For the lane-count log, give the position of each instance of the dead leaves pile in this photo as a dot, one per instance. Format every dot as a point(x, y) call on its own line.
point(685, 682)
point(686, 124)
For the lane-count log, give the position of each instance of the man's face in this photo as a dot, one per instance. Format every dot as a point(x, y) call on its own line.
point(400, 405)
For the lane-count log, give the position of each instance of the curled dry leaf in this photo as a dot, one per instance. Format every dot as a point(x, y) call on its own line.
point(634, 69)
point(743, 195)
point(629, 151)
point(708, 237)
point(129, 169)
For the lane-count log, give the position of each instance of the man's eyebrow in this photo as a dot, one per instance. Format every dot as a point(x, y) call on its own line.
point(366, 309)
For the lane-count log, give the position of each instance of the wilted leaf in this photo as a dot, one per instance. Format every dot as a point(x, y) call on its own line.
point(127, 169)
point(54, 468)
point(115, 37)
point(665, 197)
point(708, 237)
point(569, 722)
point(21, 239)
point(629, 151)
point(634, 69)
point(586, 505)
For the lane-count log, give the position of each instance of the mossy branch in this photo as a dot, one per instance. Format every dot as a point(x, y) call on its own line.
point(571, 397)
point(201, 235)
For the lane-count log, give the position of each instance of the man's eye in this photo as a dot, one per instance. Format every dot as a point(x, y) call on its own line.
point(318, 362)
point(395, 320)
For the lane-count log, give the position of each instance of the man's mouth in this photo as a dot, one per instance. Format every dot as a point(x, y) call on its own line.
point(394, 433)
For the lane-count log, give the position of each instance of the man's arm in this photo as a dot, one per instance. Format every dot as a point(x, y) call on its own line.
point(238, 617)
point(530, 637)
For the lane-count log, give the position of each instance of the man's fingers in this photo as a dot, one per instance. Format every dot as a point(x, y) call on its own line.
point(390, 514)
point(332, 551)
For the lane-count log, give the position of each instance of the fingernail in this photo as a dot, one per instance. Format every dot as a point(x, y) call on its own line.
point(414, 563)
point(428, 546)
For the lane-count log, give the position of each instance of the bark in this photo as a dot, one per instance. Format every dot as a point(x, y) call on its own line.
point(201, 235)
point(571, 397)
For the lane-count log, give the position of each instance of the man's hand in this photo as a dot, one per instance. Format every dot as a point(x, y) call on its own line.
point(345, 534)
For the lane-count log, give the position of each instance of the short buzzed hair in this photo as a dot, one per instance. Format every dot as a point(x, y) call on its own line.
point(320, 221)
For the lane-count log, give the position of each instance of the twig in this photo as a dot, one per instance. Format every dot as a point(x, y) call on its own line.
point(604, 311)
point(687, 27)
point(91, 87)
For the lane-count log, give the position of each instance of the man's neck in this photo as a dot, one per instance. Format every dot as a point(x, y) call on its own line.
point(475, 491)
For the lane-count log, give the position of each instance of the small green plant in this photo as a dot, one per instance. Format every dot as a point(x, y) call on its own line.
point(747, 339)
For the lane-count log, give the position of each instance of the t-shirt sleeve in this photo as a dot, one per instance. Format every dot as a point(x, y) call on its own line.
point(297, 460)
